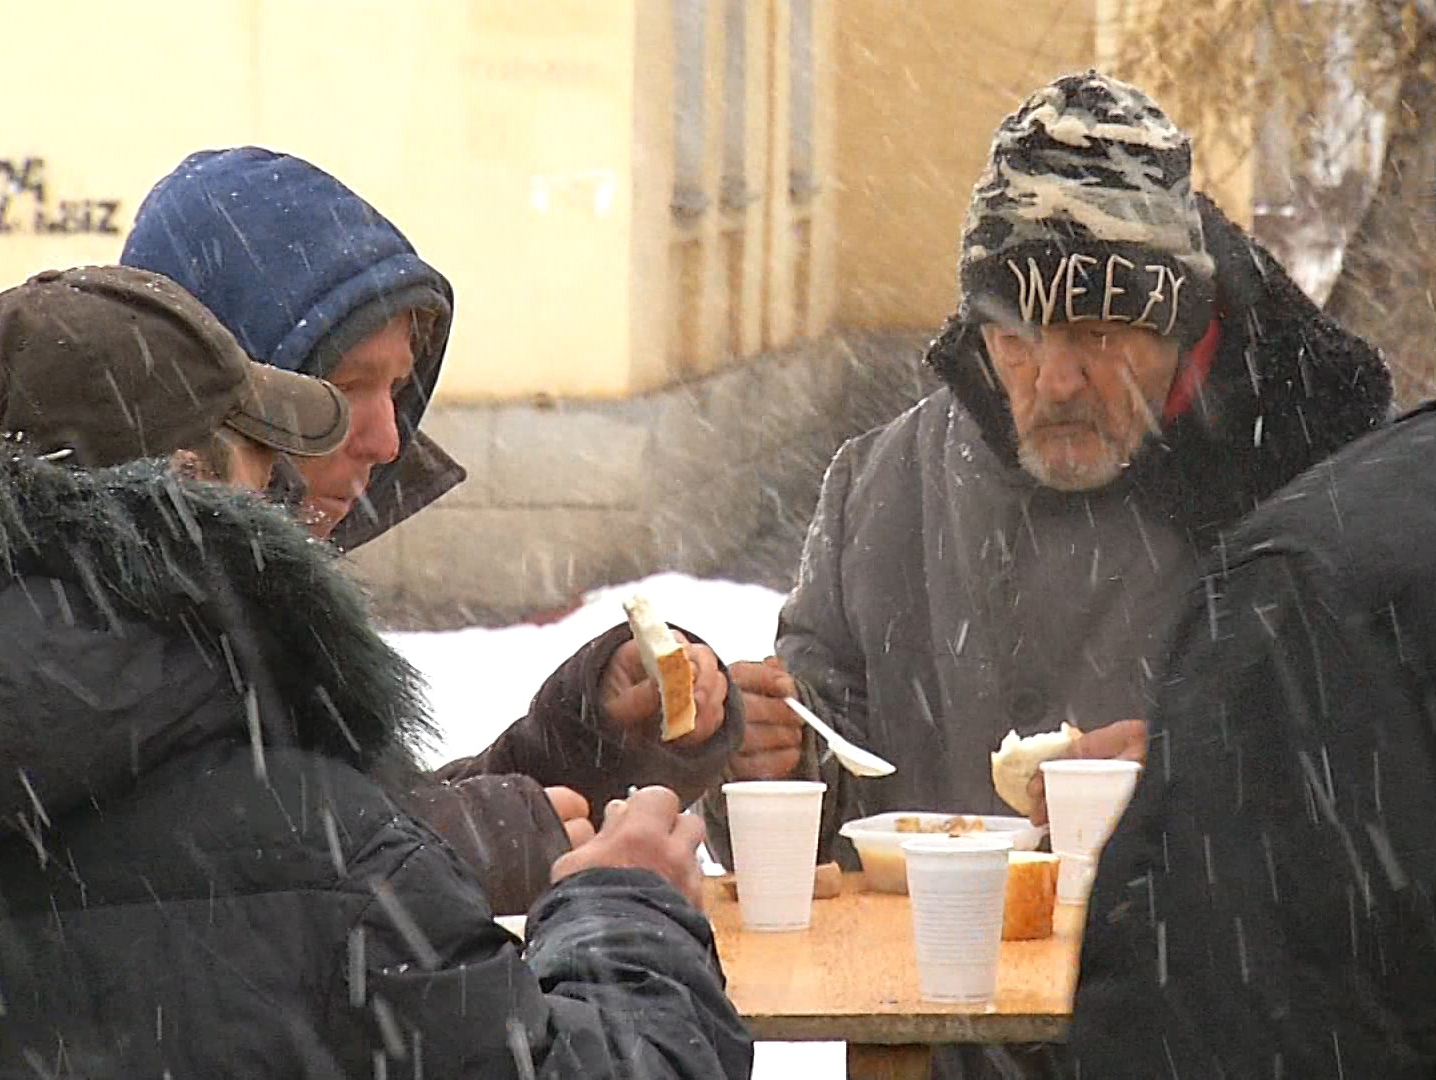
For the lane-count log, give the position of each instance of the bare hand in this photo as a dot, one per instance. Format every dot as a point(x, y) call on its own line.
point(773, 738)
point(572, 810)
point(632, 702)
point(1126, 740)
point(646, 831)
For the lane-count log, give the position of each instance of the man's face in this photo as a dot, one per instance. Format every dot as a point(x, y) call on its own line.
point(368, 376)
point(1083, 396)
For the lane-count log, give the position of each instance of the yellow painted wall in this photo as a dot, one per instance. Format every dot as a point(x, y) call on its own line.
point(526, 148)
point(921, 85)
point(499, 135)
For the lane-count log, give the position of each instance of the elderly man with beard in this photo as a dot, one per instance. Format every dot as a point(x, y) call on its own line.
point(1128, 375)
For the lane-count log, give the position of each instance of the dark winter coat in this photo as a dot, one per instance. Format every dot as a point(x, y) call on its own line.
point(1265, 907)
point(235, 894)
point(945, 597)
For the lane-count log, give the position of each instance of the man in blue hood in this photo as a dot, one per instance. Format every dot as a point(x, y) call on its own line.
point(310, 278)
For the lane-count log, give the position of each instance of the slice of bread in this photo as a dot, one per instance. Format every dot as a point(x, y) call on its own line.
point(1017, 760)
point(1031, 896)
point(666, 664)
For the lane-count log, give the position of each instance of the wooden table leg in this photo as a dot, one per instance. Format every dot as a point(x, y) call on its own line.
point(889, 1062)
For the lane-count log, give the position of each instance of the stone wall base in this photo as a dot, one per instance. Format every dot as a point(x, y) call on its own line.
point(712, 478)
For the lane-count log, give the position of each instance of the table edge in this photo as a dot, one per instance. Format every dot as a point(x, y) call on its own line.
point(896, 1029)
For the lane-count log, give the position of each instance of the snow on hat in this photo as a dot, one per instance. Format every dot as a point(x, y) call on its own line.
point(1086, 212)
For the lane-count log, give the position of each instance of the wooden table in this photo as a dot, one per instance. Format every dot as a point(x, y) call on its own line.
point(852, 977)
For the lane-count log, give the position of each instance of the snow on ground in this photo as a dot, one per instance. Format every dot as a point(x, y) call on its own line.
point(481, 681)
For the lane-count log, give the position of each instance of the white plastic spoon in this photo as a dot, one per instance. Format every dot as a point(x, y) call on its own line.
point(855, 759)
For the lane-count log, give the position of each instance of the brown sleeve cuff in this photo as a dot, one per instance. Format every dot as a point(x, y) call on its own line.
point(566, 740)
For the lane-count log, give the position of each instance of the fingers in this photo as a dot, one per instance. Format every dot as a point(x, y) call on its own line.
point(580, 831)
point(1125, 739)
point(763, 711)
point(567, 803)
point(767, 679)
point(656, 802)
point(1038, 791)
point(710, 694)
point(636, 707)
point(645, 831)
point(761, 737)
point(690, 830)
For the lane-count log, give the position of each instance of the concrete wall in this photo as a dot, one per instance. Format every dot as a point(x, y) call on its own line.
point(714, 478)
point(524, 148)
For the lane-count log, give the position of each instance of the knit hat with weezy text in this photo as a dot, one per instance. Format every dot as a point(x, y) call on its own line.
point(1086, 212)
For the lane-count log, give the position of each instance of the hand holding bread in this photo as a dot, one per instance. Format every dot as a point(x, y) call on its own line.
point(1018, 777)
point(659, 685)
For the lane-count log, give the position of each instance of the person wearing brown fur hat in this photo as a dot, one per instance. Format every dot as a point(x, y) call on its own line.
point(1128, 375)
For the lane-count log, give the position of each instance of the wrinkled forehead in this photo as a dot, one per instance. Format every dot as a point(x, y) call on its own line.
point(388, 354)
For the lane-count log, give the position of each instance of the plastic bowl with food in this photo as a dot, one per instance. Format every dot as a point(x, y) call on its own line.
point(879, 840)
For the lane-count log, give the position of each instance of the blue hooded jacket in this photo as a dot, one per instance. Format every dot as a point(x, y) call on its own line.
point(301, 269)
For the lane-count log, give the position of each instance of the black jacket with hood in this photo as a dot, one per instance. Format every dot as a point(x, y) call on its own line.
point(946, 597)
point(301, 269)
point(1265, 906)
point(233, 892)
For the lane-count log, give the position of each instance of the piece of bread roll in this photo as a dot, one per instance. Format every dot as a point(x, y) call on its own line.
point(666, 664)
point(1031, 896)
point(1017, 760)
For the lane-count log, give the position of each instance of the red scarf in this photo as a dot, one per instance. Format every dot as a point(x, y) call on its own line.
point(1194, 373)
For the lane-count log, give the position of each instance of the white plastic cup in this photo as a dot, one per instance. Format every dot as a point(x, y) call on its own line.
point(1085, 798)
point(774, 828)
point(957, 887)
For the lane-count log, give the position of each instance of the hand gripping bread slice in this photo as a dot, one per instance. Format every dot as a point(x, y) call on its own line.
point(1017, 759)
point(666, 664)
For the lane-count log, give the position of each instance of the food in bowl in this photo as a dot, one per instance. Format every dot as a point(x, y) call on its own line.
point(879, 840)
point(960, 825)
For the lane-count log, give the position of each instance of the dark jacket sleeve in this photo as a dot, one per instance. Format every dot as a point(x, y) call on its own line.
point(566, 741)
point(622, 978)
point(825, 662)
point(503, 827)
point(1264, 908)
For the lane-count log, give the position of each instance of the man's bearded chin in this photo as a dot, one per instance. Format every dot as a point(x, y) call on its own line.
point(1059, 470)
point(1062, 473)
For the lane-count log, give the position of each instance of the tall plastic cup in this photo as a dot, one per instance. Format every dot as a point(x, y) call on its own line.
point(1084, 800)
point(957, 887)
point(774, 828)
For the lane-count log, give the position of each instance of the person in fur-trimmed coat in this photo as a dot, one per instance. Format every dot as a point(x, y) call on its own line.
point(241, 893)
point(1128, 375)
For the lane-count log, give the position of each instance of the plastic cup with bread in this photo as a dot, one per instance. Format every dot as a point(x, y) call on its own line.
point(1014, 764)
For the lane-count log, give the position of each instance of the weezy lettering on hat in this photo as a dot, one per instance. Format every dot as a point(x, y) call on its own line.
point(1126, 293)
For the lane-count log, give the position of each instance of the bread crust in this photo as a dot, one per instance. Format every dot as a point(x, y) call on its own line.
point(666, 663)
